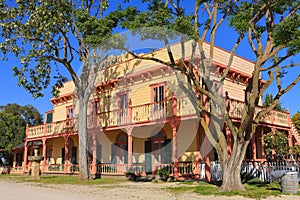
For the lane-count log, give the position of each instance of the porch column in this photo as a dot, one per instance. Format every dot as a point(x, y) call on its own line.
point(228, 141)
point(44, 154)
point(25, 156)
point(66, 153)
point(129, 141)
point(253, 146)
point(262, 143)
point(175, 150)
point(198, 159)
point(94, 163)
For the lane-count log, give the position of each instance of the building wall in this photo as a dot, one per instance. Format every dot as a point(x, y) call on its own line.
point(60, 111)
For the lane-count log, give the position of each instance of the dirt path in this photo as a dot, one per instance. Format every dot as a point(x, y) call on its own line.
point(12, 190)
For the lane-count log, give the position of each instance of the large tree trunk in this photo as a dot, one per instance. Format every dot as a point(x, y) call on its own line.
point(231, 168)
point(231, 178)
point(84, 172)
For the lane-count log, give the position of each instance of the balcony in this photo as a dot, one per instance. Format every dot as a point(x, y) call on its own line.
point(148, 113)
point(55, 128)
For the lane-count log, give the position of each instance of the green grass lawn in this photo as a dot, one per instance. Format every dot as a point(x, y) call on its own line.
point(61, 179)
point(255, 189)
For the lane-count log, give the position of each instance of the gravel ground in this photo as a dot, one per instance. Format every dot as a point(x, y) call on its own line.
point(12, 190)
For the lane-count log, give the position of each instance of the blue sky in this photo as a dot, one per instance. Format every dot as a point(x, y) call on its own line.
point(12, 93)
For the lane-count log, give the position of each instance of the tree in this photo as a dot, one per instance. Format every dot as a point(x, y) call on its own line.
point(296, 120)
point(54, 36)
point(276, 142)
point(13, 120)
point(269, 100)
point(272, 32)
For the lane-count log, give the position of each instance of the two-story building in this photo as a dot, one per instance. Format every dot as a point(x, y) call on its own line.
point(140, 120)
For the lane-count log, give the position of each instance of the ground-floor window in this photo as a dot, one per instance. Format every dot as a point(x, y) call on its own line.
point(72, 153)
point(48, 154)
point(119, 150)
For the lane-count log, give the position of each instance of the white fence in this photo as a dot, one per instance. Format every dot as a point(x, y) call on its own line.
point(256, 169)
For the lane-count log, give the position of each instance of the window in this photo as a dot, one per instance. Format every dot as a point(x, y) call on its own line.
point(70, 114)
point(123, 101)
point(123, 107)
point(48, 154)
point(72, 153)
point(119, 154)
point(158, 95)
point(49, 117)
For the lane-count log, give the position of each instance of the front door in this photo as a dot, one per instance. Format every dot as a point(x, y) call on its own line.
point(158, 150)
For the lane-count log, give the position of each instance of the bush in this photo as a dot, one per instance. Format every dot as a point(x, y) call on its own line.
point(163, 172)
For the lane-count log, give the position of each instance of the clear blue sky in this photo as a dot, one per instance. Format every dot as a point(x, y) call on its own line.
point(11, 93)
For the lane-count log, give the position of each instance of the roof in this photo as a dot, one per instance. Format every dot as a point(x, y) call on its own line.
point(30, 144)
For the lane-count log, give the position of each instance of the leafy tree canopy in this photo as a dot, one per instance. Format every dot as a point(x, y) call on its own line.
point(278, 143)
point(46, 35)
point(13, 120)
point(268, 100)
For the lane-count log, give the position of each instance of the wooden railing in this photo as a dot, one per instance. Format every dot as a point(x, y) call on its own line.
point(112, 169)
point(273, 117)
point(69, 125)
point(158, 111)
point(61, 168)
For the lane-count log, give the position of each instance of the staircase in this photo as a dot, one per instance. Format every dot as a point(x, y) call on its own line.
point(295, 133)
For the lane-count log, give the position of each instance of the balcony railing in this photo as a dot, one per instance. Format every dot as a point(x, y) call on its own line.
point(69, 125)
point(151, 112)
point(274, 117)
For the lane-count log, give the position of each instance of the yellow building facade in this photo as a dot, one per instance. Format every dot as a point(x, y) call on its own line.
point(139, 119)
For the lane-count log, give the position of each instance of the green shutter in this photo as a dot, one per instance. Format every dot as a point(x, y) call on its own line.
point(99, 153)
point(49, 118)
point(148, 160)
point(74, 155)
point(113, 153)
point(63, 155)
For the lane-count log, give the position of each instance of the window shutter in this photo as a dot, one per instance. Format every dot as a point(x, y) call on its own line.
point(63, 155)
point(167, 151)
point(113, 153)
point(99, 153)
point(148, 152)
point(74, 155)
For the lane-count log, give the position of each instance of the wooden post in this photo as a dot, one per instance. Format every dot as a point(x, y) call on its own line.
point(129, 111)
point(129, 141)
point(262, 144)
point(94, 162)
point(253, 146)
point(66, 153)
point(25, 156)
point(175, 150)
point(174, 105)
point(198, 159)
point(44, 154)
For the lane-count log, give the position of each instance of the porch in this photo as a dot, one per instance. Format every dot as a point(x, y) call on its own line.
point(179, 107)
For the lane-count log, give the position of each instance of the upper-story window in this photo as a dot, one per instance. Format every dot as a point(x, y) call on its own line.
point(123, 101)
point(49, 117)
point(158, 96)
point(70, 113)
point(123, 107)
